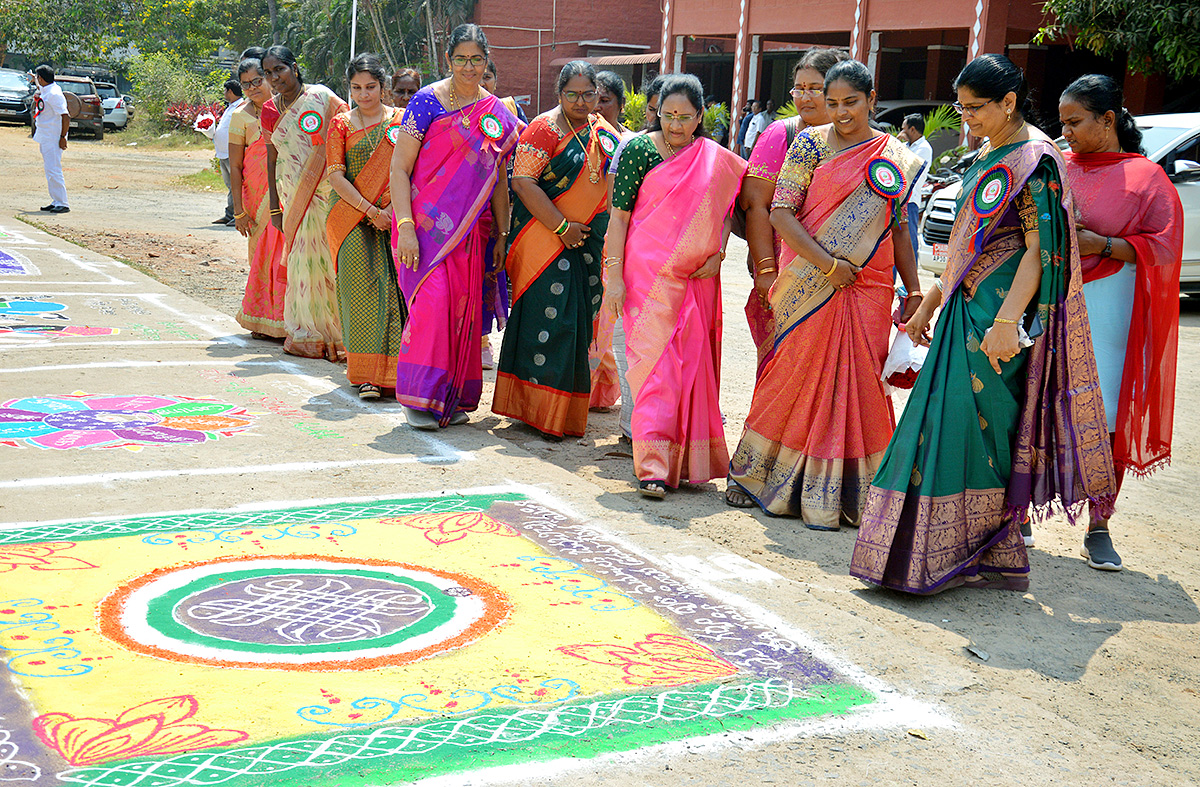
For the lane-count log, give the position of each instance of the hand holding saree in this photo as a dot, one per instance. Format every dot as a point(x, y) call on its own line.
point(820, 418)
point(372, 312)
point(266, 284)
point(1133, 308)
point(672, 321)
point(439, 370)
point(975, 450)
point(543, 378)
point(299, 136)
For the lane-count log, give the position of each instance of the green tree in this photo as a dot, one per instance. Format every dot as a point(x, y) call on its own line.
point(58, 31)
point(1158, 35)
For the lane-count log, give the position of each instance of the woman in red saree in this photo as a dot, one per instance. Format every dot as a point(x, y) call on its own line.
point(669, 222)
point(821, 418)
point(266, 285)
point(1130, 234)
point(450, 155)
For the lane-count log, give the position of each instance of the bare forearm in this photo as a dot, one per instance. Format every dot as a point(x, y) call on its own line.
point(500, 208)
point(401, 194)
point(346, 190)
point(906, 262)
point(796, 237)
point(1026, 282)
point(540, 205)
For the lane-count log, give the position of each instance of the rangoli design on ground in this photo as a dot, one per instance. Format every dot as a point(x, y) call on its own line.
point(369, 643)
point(19, 308)
point(14, 263)
point(98, 421)
point(24, 333)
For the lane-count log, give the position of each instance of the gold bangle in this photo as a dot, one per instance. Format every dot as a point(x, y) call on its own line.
point(406, 220)
point(611, 261)
point(241, 215)
point(562, 228)
point(829, 272)
point(764, 259)
point(278, 212)
point(762, 271)
point(1003, 321)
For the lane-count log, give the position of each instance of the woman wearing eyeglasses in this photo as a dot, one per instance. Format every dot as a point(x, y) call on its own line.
point(560, 216)
point(450, 152)
point(672, 199)
point(821, 417)
point(1007, 412)
point(297, 120)
point(758, 188)
point(266, 285)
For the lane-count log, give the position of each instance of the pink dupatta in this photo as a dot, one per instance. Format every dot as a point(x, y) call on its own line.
point(673, 322)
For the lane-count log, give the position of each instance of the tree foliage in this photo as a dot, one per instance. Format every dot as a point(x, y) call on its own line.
point(1158, 35)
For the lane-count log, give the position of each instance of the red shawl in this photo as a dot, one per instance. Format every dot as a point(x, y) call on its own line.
point(1126, 195)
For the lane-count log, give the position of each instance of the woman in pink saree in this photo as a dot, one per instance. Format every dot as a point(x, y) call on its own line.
point(670, 219)
point(451, 147)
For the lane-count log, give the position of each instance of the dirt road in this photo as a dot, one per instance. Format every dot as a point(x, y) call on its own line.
point(1095, 676)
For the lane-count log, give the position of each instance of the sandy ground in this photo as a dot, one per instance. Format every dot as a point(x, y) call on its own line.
point(1090, 678)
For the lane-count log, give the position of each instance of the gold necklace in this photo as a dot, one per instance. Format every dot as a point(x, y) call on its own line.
point(996, 146)
point(288, 105)
point(593, 172)
point(671, 147)
point(466, 117)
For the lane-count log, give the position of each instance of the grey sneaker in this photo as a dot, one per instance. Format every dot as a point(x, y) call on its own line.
point(1098, 549)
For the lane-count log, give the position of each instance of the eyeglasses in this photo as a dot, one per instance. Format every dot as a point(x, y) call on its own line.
point(812, 91)
point(681, 119)
point(575, 96)
point(965, 110)
point(462, 62)
point(253, 83)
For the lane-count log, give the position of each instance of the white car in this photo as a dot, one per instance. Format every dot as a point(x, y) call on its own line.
point(115, 114)
point(1171, 141)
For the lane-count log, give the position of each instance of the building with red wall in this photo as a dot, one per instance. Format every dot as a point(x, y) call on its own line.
point(533, 39)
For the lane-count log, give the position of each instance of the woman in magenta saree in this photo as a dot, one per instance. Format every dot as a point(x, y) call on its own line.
point(672, 198)
point(450, 154)
point(1006, 414)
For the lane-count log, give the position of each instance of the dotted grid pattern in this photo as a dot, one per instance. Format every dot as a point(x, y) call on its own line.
point(79, 531)
point(520, 726)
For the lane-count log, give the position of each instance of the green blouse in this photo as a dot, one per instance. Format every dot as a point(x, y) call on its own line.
point(639, 157)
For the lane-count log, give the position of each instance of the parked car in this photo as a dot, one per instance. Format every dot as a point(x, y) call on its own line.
point(892, 113)
point(91, 113)
point(129, 102)
point(115, 113)
point(16, 95)
point(1171, 141)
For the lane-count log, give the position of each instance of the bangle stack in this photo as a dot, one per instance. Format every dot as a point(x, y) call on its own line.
point(608, 262)
point(276, 211)
point(562, 228)
point(760, 269)
point(241, 215)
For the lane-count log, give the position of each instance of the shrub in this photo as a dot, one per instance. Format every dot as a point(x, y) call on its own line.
point(162, 80)
point(182, 114)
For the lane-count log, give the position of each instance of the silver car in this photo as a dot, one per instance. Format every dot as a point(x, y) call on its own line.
point(115, 114)
point(1171, 141)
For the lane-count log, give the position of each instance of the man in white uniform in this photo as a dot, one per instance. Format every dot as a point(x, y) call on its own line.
point(51, 124)
point(758, 125)
point(912, 131)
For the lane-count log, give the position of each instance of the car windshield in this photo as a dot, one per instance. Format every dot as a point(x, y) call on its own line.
point(107, 91)
point(1155, 138)
point(78, 88)
point(11, 80)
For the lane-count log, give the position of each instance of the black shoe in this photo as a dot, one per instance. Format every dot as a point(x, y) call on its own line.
point(60, 209)
point(223, 220)
point(1098, 549)
point(47, 208)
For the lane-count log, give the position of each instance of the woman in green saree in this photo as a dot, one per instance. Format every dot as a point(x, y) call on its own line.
point(1006, 414)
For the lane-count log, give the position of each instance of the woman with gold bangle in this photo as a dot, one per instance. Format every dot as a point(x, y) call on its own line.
point(560, 216)
point(358, 158)
point(1006, 415)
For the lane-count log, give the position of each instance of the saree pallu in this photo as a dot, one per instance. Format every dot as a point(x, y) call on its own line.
point(369, 302)
point(495, 288)
point(821, 418)
point(439, 370)
point(544, 378)
point(266, 284)
point(602, 361)
point(975, 450)
point(310, 308)
point(1133, 308)
point(673, 322)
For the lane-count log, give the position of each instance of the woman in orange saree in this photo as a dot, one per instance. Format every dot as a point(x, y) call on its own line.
point(266, 286)
point(670, 219)
point(358, 159)
point(821, 418)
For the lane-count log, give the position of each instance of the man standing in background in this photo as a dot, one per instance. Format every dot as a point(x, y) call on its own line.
point(51, 124)
point(758, 124)
point(743, 127)
point(233, 100)
point(912, 130)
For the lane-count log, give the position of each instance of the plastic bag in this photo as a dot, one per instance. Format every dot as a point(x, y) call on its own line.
point(903, 362)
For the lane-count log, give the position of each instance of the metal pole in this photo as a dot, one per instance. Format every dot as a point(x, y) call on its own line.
point(353, 39)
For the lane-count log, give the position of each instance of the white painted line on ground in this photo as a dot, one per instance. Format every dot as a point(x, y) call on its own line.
point(290, 467)
point(121, 365)
point(33, 343)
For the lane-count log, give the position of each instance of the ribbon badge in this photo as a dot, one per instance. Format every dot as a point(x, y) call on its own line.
point(608, 142)
point(885, 178)
point(491, 127)
point(393, 134)
point(992, 191)
point(311, 123)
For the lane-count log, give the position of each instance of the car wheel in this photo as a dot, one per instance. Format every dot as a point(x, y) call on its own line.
point(99, 133)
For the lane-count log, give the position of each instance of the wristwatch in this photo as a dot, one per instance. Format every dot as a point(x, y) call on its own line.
point(1107, 248)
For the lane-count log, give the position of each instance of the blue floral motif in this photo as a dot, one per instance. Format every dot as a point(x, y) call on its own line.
point(580, 584)
point(50, 653)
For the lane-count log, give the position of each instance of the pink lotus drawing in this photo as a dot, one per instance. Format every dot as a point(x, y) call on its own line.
point(98, 421)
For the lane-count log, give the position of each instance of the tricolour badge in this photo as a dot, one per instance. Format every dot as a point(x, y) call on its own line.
point(885, 178)
point(393, 134)
point(992, 191)
point(311, 122)
point(491, 126)
point(608, 141)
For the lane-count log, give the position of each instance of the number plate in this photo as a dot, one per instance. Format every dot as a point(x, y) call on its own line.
point(941, 254)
